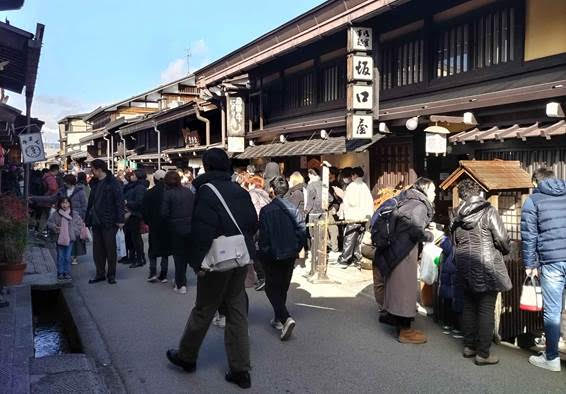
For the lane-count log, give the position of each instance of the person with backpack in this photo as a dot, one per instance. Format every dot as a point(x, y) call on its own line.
point(397, 232)
point(282, 234)
point(480, 242)
point(211, 219)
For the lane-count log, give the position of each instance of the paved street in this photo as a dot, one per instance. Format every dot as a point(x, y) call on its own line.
point(338, 346)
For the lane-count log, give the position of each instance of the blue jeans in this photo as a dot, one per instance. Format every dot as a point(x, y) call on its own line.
point(64, 259)
point(553, 281)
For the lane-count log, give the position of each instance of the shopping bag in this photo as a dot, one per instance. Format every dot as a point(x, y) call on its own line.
point(121, 244)
point(251, 277)
point(531, 295)
point(429, 263)
point(85, 234)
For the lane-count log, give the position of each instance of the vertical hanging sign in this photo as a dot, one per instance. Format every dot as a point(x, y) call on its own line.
point(32, 148)
point(235, 123)
point(360, 74)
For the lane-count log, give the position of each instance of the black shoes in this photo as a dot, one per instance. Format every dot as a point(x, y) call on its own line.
point(112, 281)
point(242, 379)
point(386, 318)
point(173, 357)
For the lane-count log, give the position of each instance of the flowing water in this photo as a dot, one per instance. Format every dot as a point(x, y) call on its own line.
point(49, 339)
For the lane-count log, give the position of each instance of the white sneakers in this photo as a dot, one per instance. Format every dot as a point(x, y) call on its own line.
point(182, 290)
point(541, 362)
point(276, 324)
point(287, 328)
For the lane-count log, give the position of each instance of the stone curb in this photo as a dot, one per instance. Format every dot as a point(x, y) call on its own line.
point(92, 341)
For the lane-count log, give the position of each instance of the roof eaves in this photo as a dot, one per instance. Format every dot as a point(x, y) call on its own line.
point(133, 98)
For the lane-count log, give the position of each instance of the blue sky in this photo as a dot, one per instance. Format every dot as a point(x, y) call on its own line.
point(96, 52)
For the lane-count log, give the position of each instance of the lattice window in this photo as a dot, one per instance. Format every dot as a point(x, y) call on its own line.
point(510, 212)
point(486, 41)
point(402, 63)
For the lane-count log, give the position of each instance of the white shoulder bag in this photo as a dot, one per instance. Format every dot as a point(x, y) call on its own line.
point(226, 253)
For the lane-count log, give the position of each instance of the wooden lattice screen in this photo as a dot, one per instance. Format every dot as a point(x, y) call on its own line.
point(510, 212)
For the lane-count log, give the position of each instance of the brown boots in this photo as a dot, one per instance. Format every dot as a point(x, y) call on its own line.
point(410, 335)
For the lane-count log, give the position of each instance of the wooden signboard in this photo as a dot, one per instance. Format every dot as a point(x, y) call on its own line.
point(360, 68)
point(235, 116)
point(360, 39)
point(360, 97)
point(359, 126)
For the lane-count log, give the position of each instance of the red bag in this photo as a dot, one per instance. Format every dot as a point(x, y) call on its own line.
point(144, 228)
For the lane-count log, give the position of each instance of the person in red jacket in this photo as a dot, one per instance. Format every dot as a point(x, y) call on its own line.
point(50, 188)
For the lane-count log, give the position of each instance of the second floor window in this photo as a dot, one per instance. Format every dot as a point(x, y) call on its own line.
point(402, 63)
point(333, 83)
point(299, 91)
point(485, 41)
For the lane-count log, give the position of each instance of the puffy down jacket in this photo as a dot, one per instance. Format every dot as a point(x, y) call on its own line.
point(481, 241)
point(543, 224)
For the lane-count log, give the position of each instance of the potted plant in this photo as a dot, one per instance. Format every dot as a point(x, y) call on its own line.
point(13, 239)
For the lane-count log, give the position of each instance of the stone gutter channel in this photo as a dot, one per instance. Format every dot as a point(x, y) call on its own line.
point(90, 371)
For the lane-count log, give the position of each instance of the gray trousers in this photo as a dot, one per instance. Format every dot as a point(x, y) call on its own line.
point(216, 289)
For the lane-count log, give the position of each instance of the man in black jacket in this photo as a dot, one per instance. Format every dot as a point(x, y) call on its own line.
point(282, 234)
point(105, 214)
point(158, 231)
point(214, 289)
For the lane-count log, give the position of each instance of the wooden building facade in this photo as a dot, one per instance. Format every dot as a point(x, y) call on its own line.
point(500, 61)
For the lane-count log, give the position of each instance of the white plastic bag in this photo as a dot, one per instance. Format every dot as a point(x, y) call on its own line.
point(429, 263)
point(121, 244)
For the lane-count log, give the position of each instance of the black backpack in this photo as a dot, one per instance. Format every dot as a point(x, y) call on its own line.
point(383, 222)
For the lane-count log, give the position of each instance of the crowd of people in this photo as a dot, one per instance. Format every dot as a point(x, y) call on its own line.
point(186, 216)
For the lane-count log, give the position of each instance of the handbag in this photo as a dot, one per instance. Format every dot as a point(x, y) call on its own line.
point(531, 295)
point(85, 234)
point(226, 253)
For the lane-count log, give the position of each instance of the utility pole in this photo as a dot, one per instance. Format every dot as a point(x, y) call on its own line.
point(188, 61)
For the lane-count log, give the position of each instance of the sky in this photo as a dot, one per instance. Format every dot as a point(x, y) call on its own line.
point(96, 52)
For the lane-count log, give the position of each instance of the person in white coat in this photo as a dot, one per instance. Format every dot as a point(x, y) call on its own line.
point(357, 206)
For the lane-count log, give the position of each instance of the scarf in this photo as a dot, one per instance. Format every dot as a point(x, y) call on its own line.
point(64, 232)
